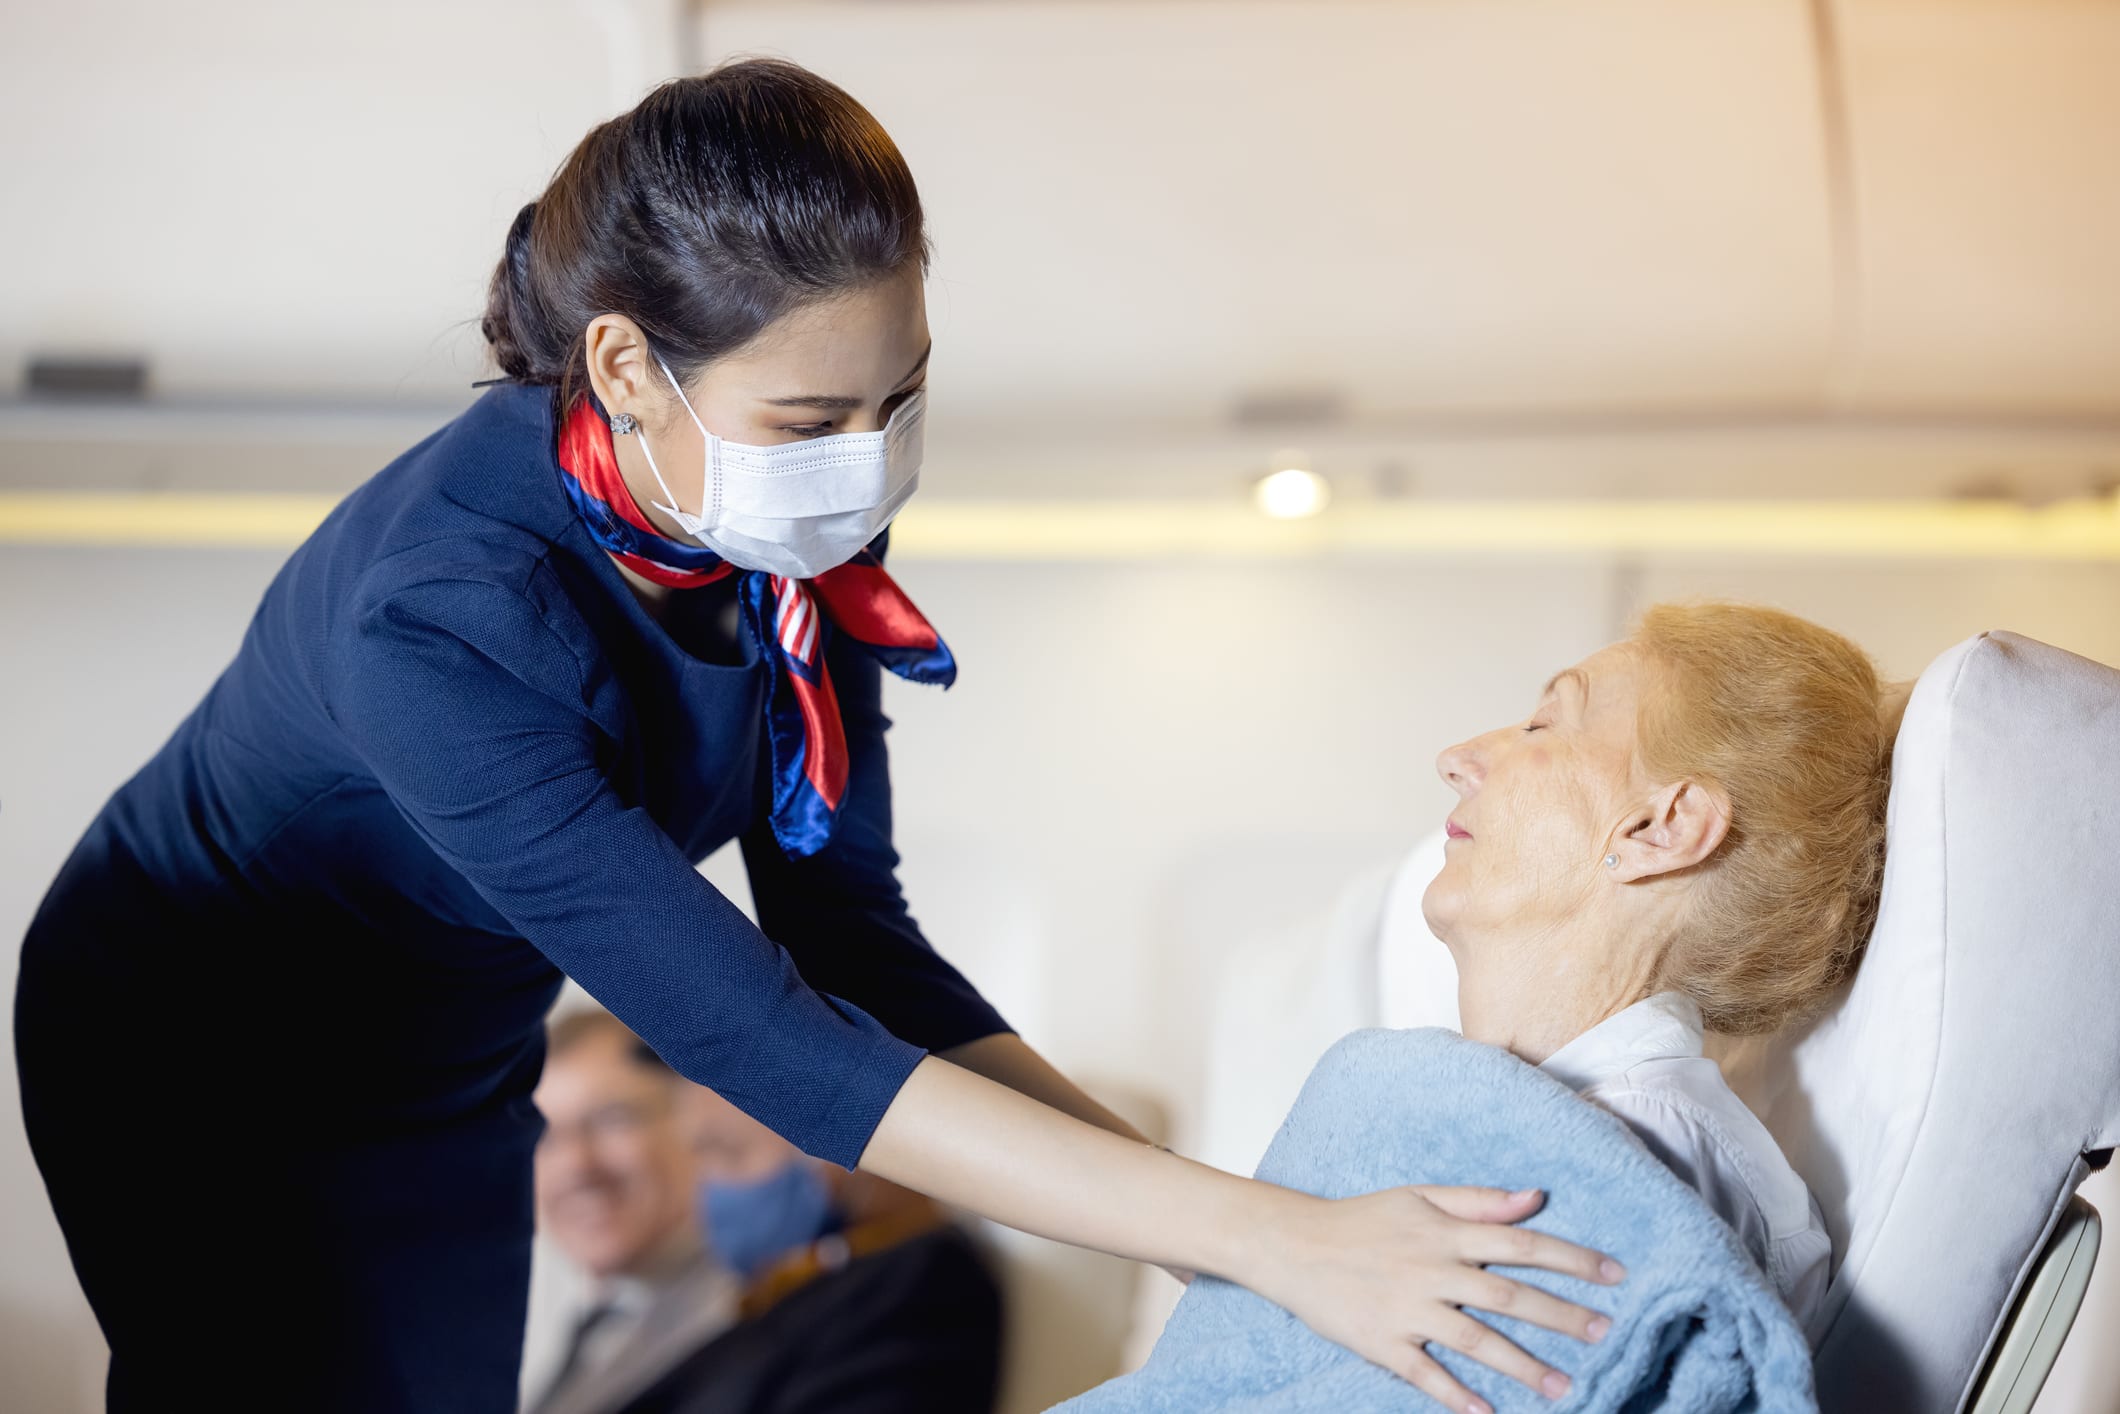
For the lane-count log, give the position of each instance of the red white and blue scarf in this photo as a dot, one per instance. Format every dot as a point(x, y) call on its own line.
point(858, 599)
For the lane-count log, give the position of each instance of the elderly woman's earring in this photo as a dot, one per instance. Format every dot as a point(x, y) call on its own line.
point(1612, 861)
point(623, 424)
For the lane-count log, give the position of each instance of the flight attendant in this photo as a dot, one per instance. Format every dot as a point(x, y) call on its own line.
point(278, 1018)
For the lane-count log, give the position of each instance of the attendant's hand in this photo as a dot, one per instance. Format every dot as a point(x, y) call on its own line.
point(1381, 1274)
point(1385, 1273)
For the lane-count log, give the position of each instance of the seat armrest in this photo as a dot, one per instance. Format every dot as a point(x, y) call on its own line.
point(2031, 1338)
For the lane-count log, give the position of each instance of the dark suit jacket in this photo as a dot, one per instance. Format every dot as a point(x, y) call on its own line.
point(914, 1329)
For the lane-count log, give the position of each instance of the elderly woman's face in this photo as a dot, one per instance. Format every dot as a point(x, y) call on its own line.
point(1539, 800)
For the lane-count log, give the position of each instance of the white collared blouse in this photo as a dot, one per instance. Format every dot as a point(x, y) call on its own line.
point(1646, 1066)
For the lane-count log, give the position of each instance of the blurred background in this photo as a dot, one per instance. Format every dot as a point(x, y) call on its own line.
point(1545, 311)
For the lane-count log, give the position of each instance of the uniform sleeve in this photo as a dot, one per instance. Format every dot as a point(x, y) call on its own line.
point(841, 911)
point(471, 711)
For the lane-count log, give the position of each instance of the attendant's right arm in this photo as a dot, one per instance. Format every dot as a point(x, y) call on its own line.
point(1381, 1274)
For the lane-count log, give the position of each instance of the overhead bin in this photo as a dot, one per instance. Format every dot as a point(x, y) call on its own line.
point(1986, 165)
point(1154, 209)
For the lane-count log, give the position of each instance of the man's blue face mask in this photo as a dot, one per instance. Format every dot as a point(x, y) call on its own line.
point(749, 1224)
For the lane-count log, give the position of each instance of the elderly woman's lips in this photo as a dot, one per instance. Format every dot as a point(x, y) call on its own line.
point(1453, 830)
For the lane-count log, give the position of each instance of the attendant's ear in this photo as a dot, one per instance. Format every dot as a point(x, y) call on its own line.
point(621, 369)
point(1680, 826)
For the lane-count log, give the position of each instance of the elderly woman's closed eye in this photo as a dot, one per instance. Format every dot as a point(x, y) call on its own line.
point(1685, 834)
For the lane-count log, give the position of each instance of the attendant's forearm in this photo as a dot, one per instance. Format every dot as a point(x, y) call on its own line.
point(1008, 1060)
point(1385, 1274)
point(980, 1145)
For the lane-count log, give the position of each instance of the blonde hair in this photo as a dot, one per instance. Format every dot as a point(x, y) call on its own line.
point(1791, 724)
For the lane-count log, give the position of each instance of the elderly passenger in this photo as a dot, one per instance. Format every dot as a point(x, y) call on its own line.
point(1686, 834)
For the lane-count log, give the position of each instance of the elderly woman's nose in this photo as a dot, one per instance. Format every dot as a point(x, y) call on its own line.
point(1461, 768)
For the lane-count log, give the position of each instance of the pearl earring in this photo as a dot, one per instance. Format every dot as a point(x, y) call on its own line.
point(1612, 861)
point(622, 424)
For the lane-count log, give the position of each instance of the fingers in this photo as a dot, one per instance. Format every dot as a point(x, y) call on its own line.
point(1493, 1242)
point(1490, 1291)
point(1476, 1340)
point(1484, 1205)
point(1488, 1244)
point(1421, 1370)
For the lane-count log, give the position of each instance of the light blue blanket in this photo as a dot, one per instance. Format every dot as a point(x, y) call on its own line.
point(1696, 1327)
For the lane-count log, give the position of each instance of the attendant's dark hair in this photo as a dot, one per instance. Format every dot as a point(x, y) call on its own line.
point(714, 207)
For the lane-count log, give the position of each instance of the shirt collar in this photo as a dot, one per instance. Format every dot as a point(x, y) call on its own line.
point(1664, 1026)
point(670, 1263)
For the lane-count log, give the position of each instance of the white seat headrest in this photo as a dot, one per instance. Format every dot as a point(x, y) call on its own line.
point(1941, 1109)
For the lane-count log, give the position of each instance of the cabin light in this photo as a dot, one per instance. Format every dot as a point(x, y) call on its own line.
point(1292, 493)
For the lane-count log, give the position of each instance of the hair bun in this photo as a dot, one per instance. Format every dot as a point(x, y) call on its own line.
point(508, 317)
point(519, 229)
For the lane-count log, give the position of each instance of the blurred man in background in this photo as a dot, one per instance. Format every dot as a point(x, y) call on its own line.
point(735, 1275)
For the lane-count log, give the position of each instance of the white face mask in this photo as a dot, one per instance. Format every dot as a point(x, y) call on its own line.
point(800, 508)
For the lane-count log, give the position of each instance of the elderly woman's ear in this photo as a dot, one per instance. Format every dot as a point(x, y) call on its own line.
point(1678, 827)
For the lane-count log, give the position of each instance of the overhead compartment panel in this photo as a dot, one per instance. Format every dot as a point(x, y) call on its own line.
point(1149, 209)
point(1986, 165)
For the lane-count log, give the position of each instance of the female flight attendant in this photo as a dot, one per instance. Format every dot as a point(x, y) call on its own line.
point(279, 1017)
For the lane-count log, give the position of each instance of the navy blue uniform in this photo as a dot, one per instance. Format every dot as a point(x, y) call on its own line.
point(279, 1017)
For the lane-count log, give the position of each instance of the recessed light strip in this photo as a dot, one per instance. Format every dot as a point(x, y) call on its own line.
point(2087, 529)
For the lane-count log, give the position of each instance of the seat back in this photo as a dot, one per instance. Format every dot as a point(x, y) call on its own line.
point(1943, 1108)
